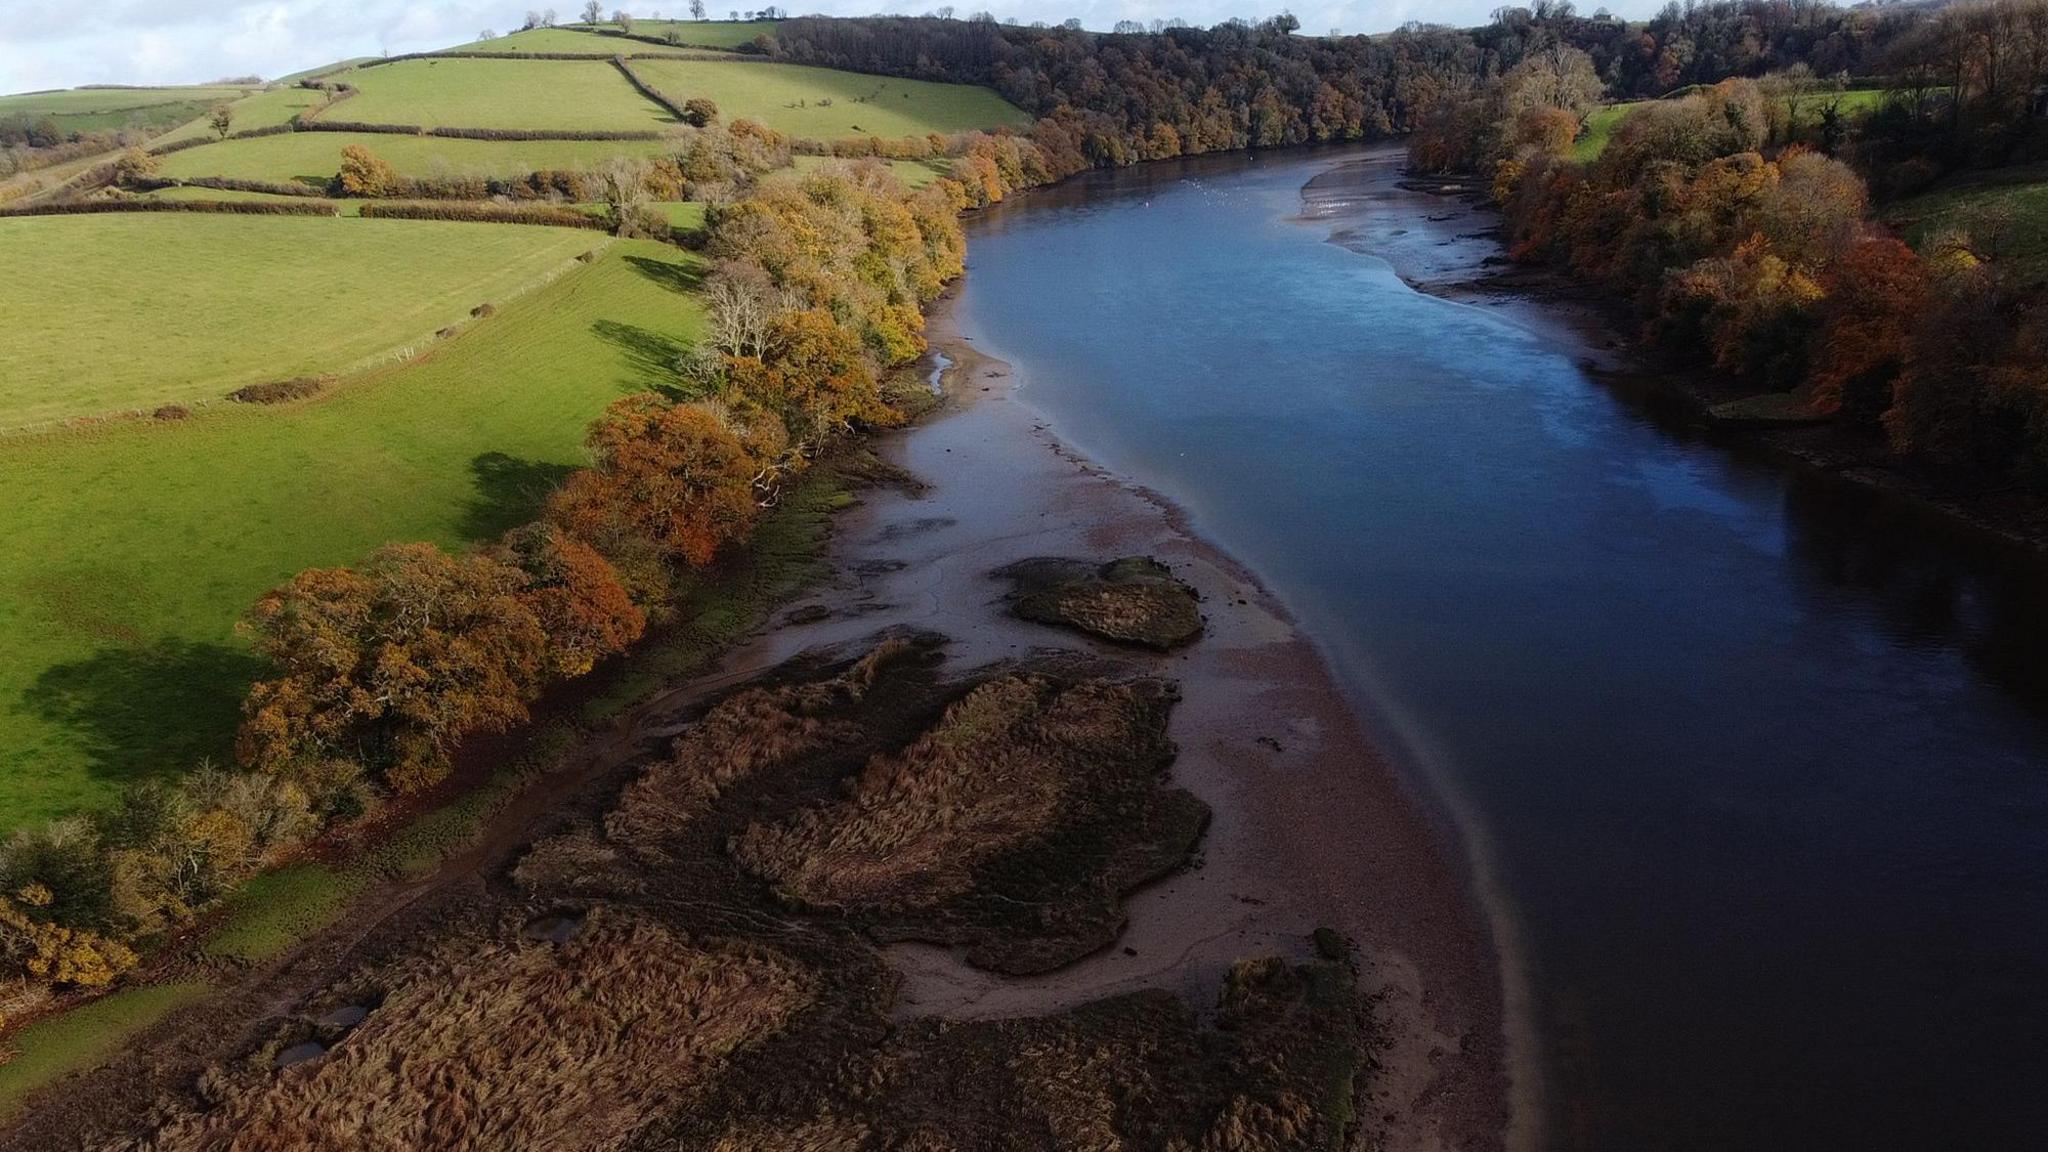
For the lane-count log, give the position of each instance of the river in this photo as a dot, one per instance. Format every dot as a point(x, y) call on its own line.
point(1754, 762)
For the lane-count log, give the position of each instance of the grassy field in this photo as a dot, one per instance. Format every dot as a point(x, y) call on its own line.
point(84, 1037)
point(314, 157)
point(2004, 211)
point(533, 94)
point(706, 33)
point(100, 101)
point(345, 207)
point(210, 303)
point(260, 110)
point(1599, 129)
point(134, 547)
point(819, 103)
point(324, 69)
point(557, 40)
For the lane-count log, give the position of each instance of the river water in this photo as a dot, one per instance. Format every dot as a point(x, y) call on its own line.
point(1756, 762)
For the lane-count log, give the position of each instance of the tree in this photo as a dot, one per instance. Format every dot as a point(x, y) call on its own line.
point(672, 475)
point(487, 34)
point(364, 173)
point(593, 11)
point(391, 663)
point(221, 120)
point(576, 595)
point(624, 20)
point(699, 111)
point(696, 9)
point(1555, 76)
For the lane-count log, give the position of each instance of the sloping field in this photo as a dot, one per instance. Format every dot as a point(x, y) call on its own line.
point(94, 101)
point(117, 312)
point(2004, 212)
point(132, 548)
point(183, 192)
point(261, 110)
point(571, 95)
point(706, 33)
point(556, 40)
point(314, 157)
point(819, 103)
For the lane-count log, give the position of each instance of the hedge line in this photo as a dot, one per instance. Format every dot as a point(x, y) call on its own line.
point(481, 213)
point(633, 78)
point(233, 184)
point(544, 134)
point(355, 126)
point(231, 207)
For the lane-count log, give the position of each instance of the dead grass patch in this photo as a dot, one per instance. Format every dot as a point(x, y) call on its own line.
point(1014, 825)
point(513, 1044)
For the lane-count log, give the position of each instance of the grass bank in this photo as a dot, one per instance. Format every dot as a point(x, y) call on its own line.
point(134, 547)
point(209, 303)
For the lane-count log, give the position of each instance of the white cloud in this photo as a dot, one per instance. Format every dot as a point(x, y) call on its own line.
point(62, 43)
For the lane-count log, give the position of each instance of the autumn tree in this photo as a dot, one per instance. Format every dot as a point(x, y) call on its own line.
point(699, 111)
point(391, 663)
point(1876, 293)
point(364, 173)
point(674, 477)
point(575, 594)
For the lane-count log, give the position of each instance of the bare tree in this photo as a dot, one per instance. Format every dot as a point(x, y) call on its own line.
point(624, 20)
point(592, 12)
point(487, 34)
point(696, 9)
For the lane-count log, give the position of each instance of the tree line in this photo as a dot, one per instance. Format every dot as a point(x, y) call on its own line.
point(1738, 221)
point(379, 671)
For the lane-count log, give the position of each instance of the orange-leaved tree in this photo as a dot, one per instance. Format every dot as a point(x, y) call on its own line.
point(674, 476)
point(391, 663)
point(576, 595)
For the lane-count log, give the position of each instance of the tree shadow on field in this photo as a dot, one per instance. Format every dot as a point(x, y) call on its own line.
point(148, 711)
point(652, 359)
point(674, 275)
point(509, 492)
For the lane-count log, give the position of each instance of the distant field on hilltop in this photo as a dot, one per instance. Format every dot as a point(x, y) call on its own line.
point(314, 157)
point(133, 547)
point(819, 103)
point(109, 109)
point(260, 110)
point(706, 33)
point(572, 95)
point(201, 305)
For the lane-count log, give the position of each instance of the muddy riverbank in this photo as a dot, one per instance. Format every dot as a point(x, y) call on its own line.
point(1308, 826)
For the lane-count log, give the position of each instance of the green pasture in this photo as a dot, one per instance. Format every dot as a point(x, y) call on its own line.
point(1599, 128)
point(118, 312)
point(135, 546)
point(819, 103)
point(704, 33)
point(2004, 212)
point(186, 192)
point(323, 70)
point(554, 40)
point(568, 95)
point(100, 101)
point(265, 109)
point(314, 157)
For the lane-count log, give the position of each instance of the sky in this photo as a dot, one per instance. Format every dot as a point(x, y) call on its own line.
point(65, 43)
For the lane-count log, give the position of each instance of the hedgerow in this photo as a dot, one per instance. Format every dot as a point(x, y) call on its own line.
point(481, 213)
point(230, 207)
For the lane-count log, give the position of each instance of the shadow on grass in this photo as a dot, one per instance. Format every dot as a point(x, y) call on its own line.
point(509, 492)
point(674, 275)
point(149, 711)
point(652, 359)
